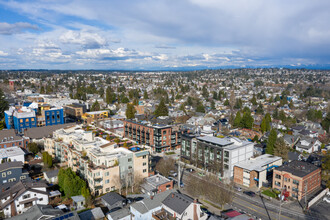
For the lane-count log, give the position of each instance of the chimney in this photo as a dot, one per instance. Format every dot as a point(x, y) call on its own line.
point(172, 195)
point(151, 197)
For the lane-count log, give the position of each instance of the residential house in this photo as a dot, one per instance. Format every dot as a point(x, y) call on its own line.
point(156, 184)
point(11, 172)
point(92, 214)
point(51, 176)
point(12, 154)
point(180, 206)
point(144, 209)
point(298, 178)
point(113, 200)
point(120, 214)
point(308, 145)
point(21, 196)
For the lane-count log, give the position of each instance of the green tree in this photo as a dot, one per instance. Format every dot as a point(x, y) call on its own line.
point(42, 90)
point(263, 126)
point(277, 98)
point(212, 104)
point(3, 104)
point(247, 120)
point(254, 100)
point(326, 122)
point(271, 142)
point(96, 106)
point(200, 108)
point(130, 111)
point(161, 109)
point(145, 95)
point(110, 96)
point(280, 149)
point(238, 104)
point(237, 119)
point(226, 103)
point(49, 161)
point(215, 95)
point(255, 138)
point(205, 92)
point(260, 110)
point(282, 116)
point(33, 147)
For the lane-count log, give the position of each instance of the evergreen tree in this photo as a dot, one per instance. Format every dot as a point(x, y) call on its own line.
point(277, 98)
point(145, 95)
point(238, 104)
point(130, 111)
point(226, 103)
point(161, 109)
point(212, 105)
point(3, 104)
point(280, 149)
point(254, 100)
point(200, 108)
point(275, 113)
point(96, 106)
point(260, 110)
point(220, 95)
point(42, 90)
point(326, 122)
point(271, 142)
point(110, 96)
point(263, 126)
point(215, 95)
point(247, 120)
point(205, 92)
point(237, 119)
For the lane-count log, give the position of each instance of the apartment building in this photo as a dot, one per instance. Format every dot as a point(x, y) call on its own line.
point(159, 137)
point(218, 155)
point(297, 178)
point(75, 110)
point(34, 115)
point(103, 164)
point(90, 117)
point(9, 138)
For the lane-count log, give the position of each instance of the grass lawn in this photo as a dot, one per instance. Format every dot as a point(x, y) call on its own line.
point(269, 193)
point(169, 153)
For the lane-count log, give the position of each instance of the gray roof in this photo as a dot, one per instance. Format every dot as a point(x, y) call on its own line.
point(112, 197)
point(8, 134)
point(37, 211)
point(178, 202)
point(40, 132)
point(52, 173)
point(92, 214)
point(78, 198)
point(120, 213)
point(152, 182)
point(215, 140)
point(147, 204)
point(258, 163)
point(298, 168)
point(7, 165)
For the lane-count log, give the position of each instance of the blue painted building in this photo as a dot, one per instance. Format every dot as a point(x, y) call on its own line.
point(22, 117)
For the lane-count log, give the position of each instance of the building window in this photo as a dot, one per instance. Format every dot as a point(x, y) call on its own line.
point(286, 180)
point(113, 188)
point(277, 183)
point(144, 164)
point(9, 172)
point(4, 174)
point(129, 159)
point(26, 196)
point(295, 182)
point(107, 189)
point(164, 142)
point(107, 174)
point(107, 181)
point(278, 176)
point(144, 157)
point(144, 170)
point(226, 153)
point(41, 199)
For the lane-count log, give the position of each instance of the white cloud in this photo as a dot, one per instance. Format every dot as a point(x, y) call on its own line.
point(83, 38)
point(3, 54)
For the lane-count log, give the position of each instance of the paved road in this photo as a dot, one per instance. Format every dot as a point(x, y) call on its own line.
point(260, 207)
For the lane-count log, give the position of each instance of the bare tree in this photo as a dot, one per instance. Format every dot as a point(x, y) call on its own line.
point(165, 165)
point(118, 183)
point(137, 181)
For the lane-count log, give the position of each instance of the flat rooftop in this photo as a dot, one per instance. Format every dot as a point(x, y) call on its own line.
point(298, 168)
point(10, 152)
point(217, 141)
point(259, 163)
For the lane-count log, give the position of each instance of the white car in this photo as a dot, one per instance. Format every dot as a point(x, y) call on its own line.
point(326, 199)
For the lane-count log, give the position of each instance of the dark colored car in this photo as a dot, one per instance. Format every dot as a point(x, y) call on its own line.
point(249, 193)
point(190, 170)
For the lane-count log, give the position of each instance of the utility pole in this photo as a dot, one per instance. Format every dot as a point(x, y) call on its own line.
point(279, 214)
point(179, 172)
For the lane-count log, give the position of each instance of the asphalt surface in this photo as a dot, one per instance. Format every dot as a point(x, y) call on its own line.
point(260, 208)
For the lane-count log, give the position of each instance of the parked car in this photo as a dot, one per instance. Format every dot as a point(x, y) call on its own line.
point(249, 193)
point(174, 174)
point(326, 199)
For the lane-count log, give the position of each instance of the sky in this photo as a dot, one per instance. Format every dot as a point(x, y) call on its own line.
point(164, 34)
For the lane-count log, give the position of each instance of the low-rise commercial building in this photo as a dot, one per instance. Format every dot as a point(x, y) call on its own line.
point(257, 171)
point(9, 138)
point(12, 154)
point(90, 117)
point(298, 178)
point(156, 184)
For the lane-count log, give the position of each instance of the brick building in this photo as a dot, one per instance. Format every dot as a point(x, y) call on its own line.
point(257, 171)
point(9, 138)
point(156, 184)
point(159, 137)
point(297, 178)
